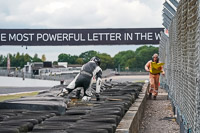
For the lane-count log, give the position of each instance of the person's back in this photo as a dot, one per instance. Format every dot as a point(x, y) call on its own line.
point(91, 67)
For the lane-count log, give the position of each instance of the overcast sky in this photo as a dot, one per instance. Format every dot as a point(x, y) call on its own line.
point(65, 14)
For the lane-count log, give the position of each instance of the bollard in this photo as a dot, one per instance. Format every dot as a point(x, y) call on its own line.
point(61, 82)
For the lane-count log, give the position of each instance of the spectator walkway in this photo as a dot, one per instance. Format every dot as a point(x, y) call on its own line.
point(158, 116)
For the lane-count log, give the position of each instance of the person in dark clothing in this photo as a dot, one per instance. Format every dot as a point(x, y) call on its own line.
point(84, 79)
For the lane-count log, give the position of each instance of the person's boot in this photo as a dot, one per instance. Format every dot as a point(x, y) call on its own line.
point(154, 97)
point(78, 94)
point(150, 95)
point(97, 97)
point(86, 99)
point(64, 92)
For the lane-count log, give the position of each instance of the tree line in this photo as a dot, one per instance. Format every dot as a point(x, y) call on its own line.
point(124, 60)
point(19, 60)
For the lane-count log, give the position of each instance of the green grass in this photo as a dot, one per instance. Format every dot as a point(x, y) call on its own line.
point(9, 97)
point(140, 81)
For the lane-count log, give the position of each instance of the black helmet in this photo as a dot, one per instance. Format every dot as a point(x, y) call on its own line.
point(96, 60)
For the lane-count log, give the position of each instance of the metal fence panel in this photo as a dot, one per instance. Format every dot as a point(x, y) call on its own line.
point(181, 53)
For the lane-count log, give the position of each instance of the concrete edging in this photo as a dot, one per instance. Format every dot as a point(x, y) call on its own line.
point(27, 92)
point(130, 123)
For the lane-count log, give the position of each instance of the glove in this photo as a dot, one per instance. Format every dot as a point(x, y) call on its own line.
point(97, 97)
point(86, 99)
point(63, 92)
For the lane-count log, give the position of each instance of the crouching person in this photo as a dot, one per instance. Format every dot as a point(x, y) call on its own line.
point(84, 79)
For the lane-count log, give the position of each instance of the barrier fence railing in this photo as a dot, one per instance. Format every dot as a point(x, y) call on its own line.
point(181, 53)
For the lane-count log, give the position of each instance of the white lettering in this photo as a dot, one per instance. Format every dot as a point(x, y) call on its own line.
point(101, 36)
point(21, 37)
point(71, 36)
point(112, 36)
point(95, 37)
point(76, 37)
point(81, 36)
point(59, 37)
point(39, 36)
point(31, 36)
point(3, 37)
point(124, 36)
point(52, 37)
point(107, 34)
point(89, 39)
point(144, 36)
point(12, 37)
point(157, 36)
point(129, 36)
point(150, 36)
point(65, 37)
point(137, 34)
point(118, 36)
point(25, 37)
point(45, 37)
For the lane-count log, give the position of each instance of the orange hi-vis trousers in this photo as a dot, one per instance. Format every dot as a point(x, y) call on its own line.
point(154, 83)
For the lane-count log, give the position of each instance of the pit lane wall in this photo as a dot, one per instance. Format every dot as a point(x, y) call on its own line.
point(180, 51)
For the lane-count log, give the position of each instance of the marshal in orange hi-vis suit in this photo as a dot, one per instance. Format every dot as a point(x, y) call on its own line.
point(154, 67)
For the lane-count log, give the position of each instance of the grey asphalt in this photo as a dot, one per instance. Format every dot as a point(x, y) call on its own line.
point(8, 90)
point(17, 85)
point(130, 78)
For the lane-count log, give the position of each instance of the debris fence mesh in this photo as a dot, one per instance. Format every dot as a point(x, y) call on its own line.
point(180, 50)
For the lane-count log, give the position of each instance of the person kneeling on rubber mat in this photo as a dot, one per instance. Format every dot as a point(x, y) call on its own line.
point(88, 71)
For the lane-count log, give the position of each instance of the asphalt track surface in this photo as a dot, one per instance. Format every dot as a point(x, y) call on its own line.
point(17, 85)
point(12, 85)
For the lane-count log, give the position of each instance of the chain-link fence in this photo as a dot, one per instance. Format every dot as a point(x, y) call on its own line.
point(181, 53)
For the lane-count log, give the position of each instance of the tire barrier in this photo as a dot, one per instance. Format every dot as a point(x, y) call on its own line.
point(8, 130)
point(22, 120)
point(80, 117)
point(36, 103)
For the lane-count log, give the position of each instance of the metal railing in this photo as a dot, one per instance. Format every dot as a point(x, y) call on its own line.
point(181, 53)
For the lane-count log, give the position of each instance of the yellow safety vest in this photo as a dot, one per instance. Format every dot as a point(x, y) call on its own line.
point(156, 67)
